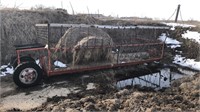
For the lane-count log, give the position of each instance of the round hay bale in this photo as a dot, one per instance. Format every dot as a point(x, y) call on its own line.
point(92, 49)
point(77, 36)
point(73, 35)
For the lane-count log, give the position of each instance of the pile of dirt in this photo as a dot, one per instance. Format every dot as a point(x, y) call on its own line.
point(182, 96)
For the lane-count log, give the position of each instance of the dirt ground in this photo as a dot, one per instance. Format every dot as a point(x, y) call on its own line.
point(89, 92)
point(181, 97)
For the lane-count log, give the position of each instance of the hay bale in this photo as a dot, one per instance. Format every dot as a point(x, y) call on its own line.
point(73, 35)
point(92, 49)
point(78, 37)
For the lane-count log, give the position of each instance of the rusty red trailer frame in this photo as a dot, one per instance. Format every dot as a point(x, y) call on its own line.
point(49, 71)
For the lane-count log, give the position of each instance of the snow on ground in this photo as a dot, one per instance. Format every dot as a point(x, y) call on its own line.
point(37, 61)
point(5, 69)
point(90, 86)
point(173, 25)
point(59, 64)
point(168, 39)
point(173, 43)
point(192, 35)
point(191, 63)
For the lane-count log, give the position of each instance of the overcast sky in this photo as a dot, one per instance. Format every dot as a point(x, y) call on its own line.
point(156, 9)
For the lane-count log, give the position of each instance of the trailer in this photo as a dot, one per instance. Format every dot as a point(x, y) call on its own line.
point(82, 47)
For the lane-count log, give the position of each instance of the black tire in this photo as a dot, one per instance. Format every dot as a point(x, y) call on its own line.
point(27, 75)
point(22, 59)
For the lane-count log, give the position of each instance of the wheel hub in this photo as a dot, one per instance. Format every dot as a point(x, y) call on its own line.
point(28, 75)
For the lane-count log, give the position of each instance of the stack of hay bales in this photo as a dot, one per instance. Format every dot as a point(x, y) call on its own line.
point(86, 45)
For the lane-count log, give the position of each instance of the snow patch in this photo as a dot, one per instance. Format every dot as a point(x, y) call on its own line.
point(5, 70)
point(190, 63)
point(59, 64)
point(173, 46)
point(46, 46)
point(90, 86)
point(173, 25)
point(192, 35)
point(173, 43)
point(168, 40)
point(37, 61)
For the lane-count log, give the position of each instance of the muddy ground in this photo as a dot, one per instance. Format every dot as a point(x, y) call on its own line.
point(181, 97)
point(97, 91)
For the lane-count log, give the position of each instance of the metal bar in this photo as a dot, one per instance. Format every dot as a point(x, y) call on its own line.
point(148, 81)
point(118, 50)
point(129, 45)
point(66, 71)
point(109, 46)
point(159, 77)
point(49, 61)
point(48, 35)
point(41, 25)
point(104, 26)
point(61, 31)
point(18, 57)
point(162, 52)
point(31, 49)
point(49, 52)
point(146, 40)
point(43, 38)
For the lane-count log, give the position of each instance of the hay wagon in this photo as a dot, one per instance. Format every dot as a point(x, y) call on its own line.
point(72, 48)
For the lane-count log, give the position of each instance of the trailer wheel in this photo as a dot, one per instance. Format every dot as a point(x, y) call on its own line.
point(22, 59)
point(27, 75)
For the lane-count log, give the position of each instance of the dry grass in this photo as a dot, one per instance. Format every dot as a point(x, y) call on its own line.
point(190, 48)
point(18, 27)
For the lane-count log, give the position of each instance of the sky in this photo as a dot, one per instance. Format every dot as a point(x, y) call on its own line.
point(156, 9)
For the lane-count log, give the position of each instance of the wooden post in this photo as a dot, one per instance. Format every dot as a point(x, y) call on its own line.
point(177, 13)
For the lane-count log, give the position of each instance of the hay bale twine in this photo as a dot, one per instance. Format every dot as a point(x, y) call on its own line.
point(92, 49)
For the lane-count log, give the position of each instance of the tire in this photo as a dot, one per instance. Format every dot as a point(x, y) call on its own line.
point(22, 59)
point(27, 75)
